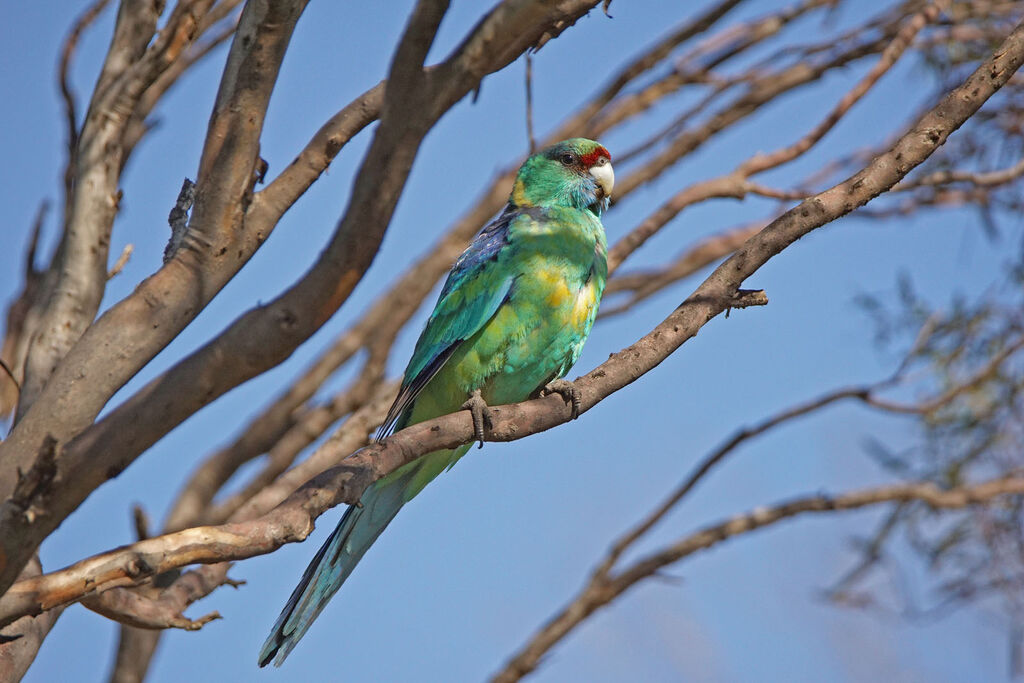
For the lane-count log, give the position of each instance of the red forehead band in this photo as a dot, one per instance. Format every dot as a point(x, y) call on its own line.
point(591, 159)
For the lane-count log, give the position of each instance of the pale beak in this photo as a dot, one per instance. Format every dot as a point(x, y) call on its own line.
point(604, 175)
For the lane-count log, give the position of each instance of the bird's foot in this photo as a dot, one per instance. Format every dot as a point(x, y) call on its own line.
point(481, 413)
point(567, 390)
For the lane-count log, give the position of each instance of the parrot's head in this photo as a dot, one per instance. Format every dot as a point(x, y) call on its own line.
point(575, 173)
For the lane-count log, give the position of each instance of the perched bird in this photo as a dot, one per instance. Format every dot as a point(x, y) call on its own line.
point(510, 321)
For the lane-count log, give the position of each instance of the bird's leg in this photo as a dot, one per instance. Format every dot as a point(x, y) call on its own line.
point(481, 413)
point(567, 390)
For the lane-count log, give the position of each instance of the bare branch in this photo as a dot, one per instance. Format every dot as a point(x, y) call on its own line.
point(346, 439)
point(280, 457)
point(161, 610)
point(645, 284)
point(644, 63)
point(80, 266)
point(599, 593)
point(984, 179)
point(136, 646)
point(530, 138)
point(22, 316)
point(867, 394)
point(710, 53)
point(737, 183)
point(890, 55)
point(28, 633)
point(20, 641)
point(931, 405)
point(596, 593)
point(137, 125)
point(121, 261)
point(133, 331)
point(758, 92)
point(85, 19)
point(135, 649)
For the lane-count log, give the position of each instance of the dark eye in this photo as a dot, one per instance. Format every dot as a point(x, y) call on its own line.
point(568, 159)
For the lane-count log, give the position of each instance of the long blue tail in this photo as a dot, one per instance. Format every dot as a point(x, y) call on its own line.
point(355, 533)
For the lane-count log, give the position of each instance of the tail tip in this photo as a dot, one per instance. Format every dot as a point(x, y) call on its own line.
point(274, 649)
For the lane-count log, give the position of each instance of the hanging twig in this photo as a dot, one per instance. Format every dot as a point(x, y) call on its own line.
point(529, 104)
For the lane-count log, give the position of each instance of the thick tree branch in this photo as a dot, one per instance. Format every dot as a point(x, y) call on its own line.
point(20, 641)
point(133, 331)
point(135, 650)
point(17, 656)
point(80, 265)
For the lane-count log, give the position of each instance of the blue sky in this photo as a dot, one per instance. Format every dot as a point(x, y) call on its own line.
point(491, 549)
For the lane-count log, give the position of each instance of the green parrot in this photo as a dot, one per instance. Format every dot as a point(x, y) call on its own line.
point(510, 321)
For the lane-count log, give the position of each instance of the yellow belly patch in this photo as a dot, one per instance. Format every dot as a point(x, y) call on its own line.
point(553, 283)
point(584, 307)
point(576, 307)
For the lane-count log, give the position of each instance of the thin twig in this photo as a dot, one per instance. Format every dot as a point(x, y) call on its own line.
point(529, 104)
point(600, 593)
point(67, 51)
point(981, 179)
point(121, 261)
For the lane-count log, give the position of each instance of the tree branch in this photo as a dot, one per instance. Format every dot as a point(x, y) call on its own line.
point(85, 19)
point(22, 316)
point(133, 331)
point(80, 265)
point(20, 641)
point(737, 184)
point(599, 593)
point(644, 284)
point(164, 609)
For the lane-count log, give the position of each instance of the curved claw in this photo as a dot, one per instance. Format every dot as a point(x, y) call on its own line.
point(567, 390)
point(481, 413)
